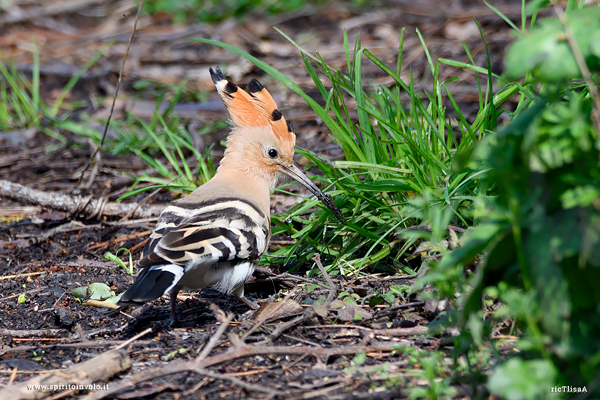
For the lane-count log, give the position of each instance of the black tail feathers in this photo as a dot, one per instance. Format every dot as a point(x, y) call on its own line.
point(152, 284)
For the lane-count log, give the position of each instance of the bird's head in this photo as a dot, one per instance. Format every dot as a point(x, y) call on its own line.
point(261, 140)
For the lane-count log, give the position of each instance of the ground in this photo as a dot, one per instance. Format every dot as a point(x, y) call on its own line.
point(45, 254)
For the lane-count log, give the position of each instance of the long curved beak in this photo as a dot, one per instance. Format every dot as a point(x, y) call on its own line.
point(295, 173)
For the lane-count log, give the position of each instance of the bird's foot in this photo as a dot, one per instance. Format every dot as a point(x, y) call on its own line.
point(173, 321)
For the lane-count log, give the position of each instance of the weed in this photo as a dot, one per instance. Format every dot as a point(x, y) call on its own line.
point(540, 234)
point(21, 106)
point(114, 257)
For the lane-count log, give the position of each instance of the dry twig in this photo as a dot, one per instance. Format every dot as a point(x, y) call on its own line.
point(332, 286)
point(133, 339)
point(37, 333)
point(225, 321)
point(97, 155)
point(77, 205)
point(2, 278)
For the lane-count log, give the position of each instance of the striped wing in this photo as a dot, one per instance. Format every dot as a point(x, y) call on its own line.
point(208, 232)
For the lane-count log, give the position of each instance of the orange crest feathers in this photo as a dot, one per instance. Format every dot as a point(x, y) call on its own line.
point(254, 109)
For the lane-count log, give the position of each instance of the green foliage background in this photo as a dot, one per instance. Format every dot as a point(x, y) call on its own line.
point(540, 234)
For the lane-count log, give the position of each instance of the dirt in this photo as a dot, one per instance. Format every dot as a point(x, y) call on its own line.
point(38, 271)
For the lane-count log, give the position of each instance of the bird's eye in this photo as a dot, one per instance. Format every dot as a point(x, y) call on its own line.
point(273, 153)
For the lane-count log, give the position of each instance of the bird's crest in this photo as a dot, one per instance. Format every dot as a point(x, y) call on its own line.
point(254, 109)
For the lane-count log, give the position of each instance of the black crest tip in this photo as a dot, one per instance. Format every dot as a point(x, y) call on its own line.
point(254, 86)
point(216, 75)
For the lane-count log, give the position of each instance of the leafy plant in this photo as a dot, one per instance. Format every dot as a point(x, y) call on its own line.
point(431, 367)
point(540, 235)
point(99, 291)
point(345, 305)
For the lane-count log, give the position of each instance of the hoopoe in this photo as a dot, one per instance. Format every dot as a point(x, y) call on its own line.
point(217, 234)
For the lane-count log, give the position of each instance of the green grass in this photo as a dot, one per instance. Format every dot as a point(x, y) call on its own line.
point(400, 147)
point(162, 142)
point(21, 106)
point(175, 144)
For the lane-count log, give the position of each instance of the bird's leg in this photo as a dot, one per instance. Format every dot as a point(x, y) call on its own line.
point(174, 321)
point(239, 293)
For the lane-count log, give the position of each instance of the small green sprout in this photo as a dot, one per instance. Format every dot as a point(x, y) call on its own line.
point(113, 257)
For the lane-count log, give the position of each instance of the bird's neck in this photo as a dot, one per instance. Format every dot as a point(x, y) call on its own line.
point(247, 182)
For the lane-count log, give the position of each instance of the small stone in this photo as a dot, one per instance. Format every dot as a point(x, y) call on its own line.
point(64, 318)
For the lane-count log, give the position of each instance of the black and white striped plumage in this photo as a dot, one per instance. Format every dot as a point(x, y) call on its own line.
point(202, 241)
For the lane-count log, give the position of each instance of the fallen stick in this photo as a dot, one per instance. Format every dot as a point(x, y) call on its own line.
point(332, 286)
point(77, 345)
point(401, 332)
point(38, 333)
point(118, 240)
point(2, 278)
point(99, 368)
point(85, 206)
point(100, 304)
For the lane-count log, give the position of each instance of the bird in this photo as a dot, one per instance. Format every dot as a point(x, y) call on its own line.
point(215, 236)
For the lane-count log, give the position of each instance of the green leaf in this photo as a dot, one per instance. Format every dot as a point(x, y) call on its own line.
point(518, 379)
point(114, 299)
point(475, 241)
point(79, 292)
point(320, 309)
point(546, 52)
point(376, 300)
point(360, 358)
point(99, 291)
point(579, 196)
